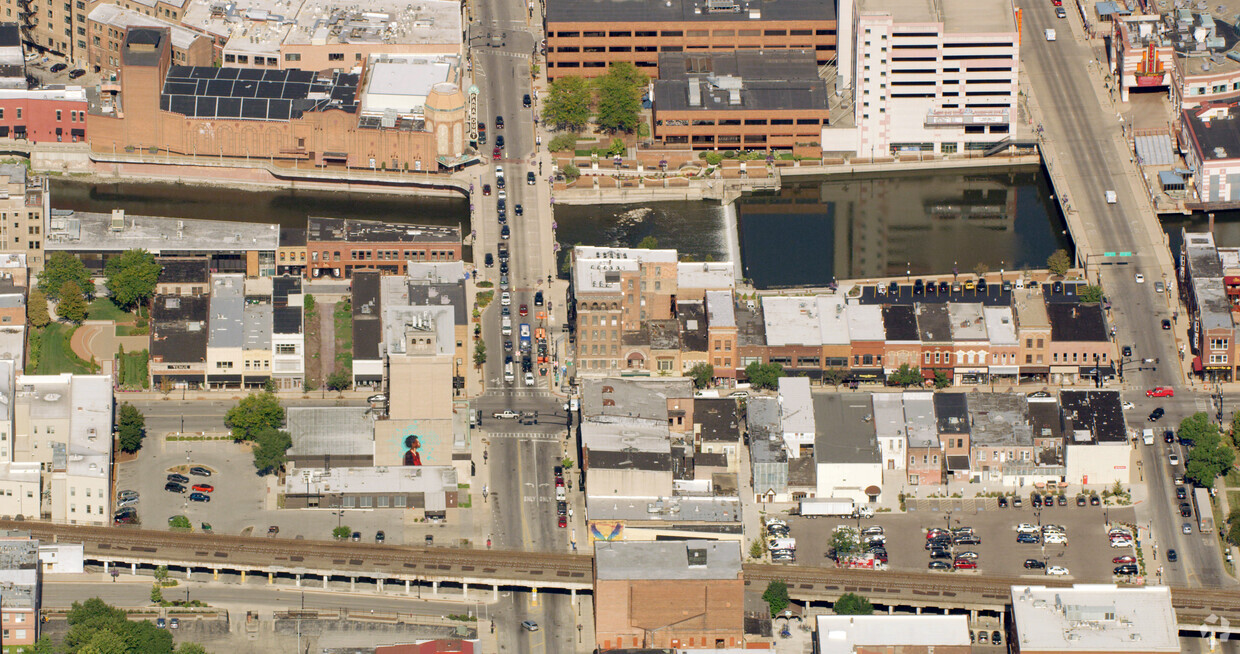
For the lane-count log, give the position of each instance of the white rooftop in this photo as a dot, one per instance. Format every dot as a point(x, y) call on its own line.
point(377, 479)
point(703, 274)
point(617, 437)
point(844, 634)
point(591, 265)
point(1095, 618)
point(122, 19)
point(796, 405)
point(888, 415)
point(397, 321)
point(51, 92)
point(919, 419)
point(227, 317)
point(401, 83)
point(865, 322)
point(1000, 326)
point(968, 322)
point(720, 312)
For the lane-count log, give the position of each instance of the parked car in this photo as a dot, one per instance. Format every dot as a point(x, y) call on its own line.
point(200, 471)
point(127, 515)
point(1094, 501)
point(174, 487)
point(127, 495)
point(203, 488)
point(380, 536)
point(1126, 558)
point(1003, 502)
point(56, 68)
point(1057, 571)
point(1028, 539)
point(1166, 324)
point(1034, 564)
point(525, 101)
point(939, 565)
point(1180, 493)
point(529, 625)
point(1187, 528)
point(180, 479)
point(356, 537)
point(1128, 569)
point(965, 564)
point(273, 531)
point(76, 73)
point(199, 497)
point(1173, 459)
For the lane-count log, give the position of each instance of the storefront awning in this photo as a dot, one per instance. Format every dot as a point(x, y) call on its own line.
point(1005, 370)
point(1196, 364)
point(866, 374)
point(957, 462)
point(339, 156)
point(1093, 370)
point(77, 132)
point(1035, 370)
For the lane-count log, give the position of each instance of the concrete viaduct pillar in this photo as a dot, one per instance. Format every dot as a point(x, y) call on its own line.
point(325, 581)
point(379, 584)
point(464, 590)
point(406, 586)
point(271, 578)
point(352, 584)
point(435, 588)
point(133, 569)
point(299, 581)
point(494, 592)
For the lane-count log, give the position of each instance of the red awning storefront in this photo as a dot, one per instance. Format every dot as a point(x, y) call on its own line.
point(1196, 364)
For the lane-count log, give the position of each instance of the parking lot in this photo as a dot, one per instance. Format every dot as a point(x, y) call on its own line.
point(1086, 554)
point(244, 503)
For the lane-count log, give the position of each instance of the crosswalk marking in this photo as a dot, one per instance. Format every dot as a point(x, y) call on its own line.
point(528, 435)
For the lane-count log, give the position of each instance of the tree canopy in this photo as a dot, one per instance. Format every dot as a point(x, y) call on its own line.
point(702, 374)
point(72, 306)
point(1090, 293)
point(253, 413)
point(1059, 263)
point(567, 104)
point(776, 596)
point(764, 375)
point(96, 628)
point(36, 309)
point(1209, 456)
point(852, 604)
point(271, 449)
point(130, 427)
point(62, 267)
point(905, 375)
point(619, 97)
point(131, 277)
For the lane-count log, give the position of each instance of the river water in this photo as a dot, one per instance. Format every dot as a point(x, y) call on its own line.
point(808, 234)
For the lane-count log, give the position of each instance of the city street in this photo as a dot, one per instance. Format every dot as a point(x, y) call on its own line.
point(1083, 148)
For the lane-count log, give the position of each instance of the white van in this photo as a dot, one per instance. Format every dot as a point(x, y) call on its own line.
point(560, 495)
point(1050, 35)
point(506, 326)
point(508, 376)
point(1147, 436)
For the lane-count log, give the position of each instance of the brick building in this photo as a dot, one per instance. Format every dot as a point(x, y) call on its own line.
point(584, 38)
point(337, 247)
point(25, 204)
point(54, 114)
point(293, 115)
point(668, 594)
point(107, 24)
point(740, 99)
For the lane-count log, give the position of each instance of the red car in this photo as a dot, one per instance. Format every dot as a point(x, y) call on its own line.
point(486, 189)
point(563, 522)
point(1057, 3)
point(525, 311)
point(1127, 558)
point(204, 488)
point(496, 153)
point(1160, 391)
point(965, 564)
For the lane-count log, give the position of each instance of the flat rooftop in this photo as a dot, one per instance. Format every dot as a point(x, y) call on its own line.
point(340, 431)
point(999, 419)
point(740, 80)
point(957, 16)
point(346, 230)
point(724, 512)
point(227, 318)
point(845, 431)
point(366, 480)
point(796, 402)
point(919, 417)
point(1075, 322)
point(255, 94)
point(845, 634)
point(1216, 23)
point(671, 560)
point(1213, 130)
point(706, 274)
point(1094, 618)
point(1092, 417)
point(682, 11)
point(614, 398)
point(121, 18)
point(75, 231)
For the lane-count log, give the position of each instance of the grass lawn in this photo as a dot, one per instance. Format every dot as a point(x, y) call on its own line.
point(344, 335)
point(55, 355)
point(134, 366)
point(102, 308)
point(1233, 478)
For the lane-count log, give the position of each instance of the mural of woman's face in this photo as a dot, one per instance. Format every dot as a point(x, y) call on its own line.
point(411, 443)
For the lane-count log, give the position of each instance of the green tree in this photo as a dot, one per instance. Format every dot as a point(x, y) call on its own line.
point(180, 522)
point(619, 97)
point(62, 267)
point(905, 375)
point(36, 309)
point(340, 380)
point(564, 141)
point(834, 376)
point(161, 573)
point(131, 277)
point(571, 172)
point(702, 374)
point(157, 594)
point(269, 385)
point(130, 427)
point(649, 243)
point(190, 648)
point(271, 449)
point(941, 380)
point(567, 104)
point(72, 306)
point(342, 532)
point(480, 353)
point(1059, 263)
point(617, 148)
point(776, 596)
point(764, 375)
point(1209, 455)
point(43, 645)
point(852, 604)
point(307, 304)
point(105, 642)
point(254, 412)
point(843, 542)
point(1090, 293)
point(756, 549)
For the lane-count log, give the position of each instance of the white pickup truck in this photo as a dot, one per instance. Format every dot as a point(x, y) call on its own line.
point(506, 414)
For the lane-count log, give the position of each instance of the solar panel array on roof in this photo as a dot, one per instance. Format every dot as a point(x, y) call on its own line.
point(254, 94)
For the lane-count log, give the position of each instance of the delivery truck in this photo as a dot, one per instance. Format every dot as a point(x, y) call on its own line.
point(1205, 514)
point(827, 506)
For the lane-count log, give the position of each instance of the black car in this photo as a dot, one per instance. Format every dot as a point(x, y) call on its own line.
point(1063, 500)
point(1027, 538)
point(499, 123)
point(529, 178)
point(525, 101)
point(1126, 351)
point(1080, 500)
point(981, 286)
point(938, 543)
point(380, 536)
point(940, 554)
point(1181, 493)
point(919, 287)
point(199, 497)
point(968, 539)
point(1168, 436)
point(893, 288)
point(1156, 414)
point(499, 143)
point(76, 73)
point(503, 268)
point(538, 299)
point(559, 470)
point(516, 208)
point(939, 565)
point(1166, 324)
point(174, 487)
point(1186, 511)
point(490, 260)
point(178, 478)
point(1172, 556)
point(1094, 501)
point(357, 536)
point(126, 515)
point(56, 68)
point(504, 233)
point(1034, 564)
point(1127, 569)
point(1048, 500)
point(561, 508)
point(1037, 501)
point(1003, 502)
point(944, 288)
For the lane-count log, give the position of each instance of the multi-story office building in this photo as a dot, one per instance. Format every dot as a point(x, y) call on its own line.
point(934, 77)
point(1210, 309)
point(338, 246)
point(107, 25)
point(740, 99)
point(21, 577)
point(24, 208)
point(585, 38)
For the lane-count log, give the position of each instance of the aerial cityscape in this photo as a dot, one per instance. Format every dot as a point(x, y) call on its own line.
point(581, 326)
